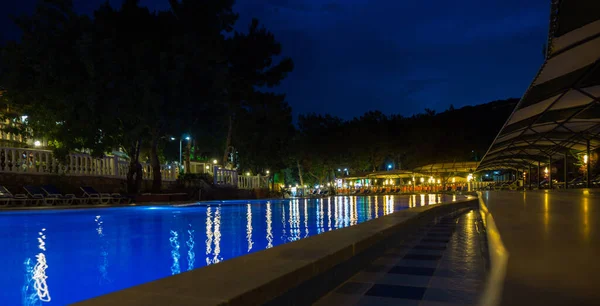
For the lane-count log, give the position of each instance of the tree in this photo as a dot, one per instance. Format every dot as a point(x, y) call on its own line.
point(251, 66)
point(46, 75)
point(125, 78)
point(318, 146)
point(263, 133)
point(373, 127)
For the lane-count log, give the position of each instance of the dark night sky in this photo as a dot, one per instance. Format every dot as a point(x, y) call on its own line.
point(396, 56)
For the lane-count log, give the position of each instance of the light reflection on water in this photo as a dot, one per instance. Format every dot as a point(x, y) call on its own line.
point(269, 227)
point(35, 291)
point(174, 240)
point(190, 244)
point(249, 226)
point(104, 247)
point(93, 252)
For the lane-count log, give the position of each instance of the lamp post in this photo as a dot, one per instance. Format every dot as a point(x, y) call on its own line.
point(181, 146)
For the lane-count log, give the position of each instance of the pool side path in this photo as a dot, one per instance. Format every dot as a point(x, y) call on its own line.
point(444, 263)
point(551, 240)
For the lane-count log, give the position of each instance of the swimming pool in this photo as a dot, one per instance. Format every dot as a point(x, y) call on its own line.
point(57, 257)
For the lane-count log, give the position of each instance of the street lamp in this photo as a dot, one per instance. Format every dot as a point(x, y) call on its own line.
point(37, 143)
point(215, 161)
point(180, 146)
point(267, 172)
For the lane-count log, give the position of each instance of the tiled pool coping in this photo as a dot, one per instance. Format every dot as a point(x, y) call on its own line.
point(294, 273)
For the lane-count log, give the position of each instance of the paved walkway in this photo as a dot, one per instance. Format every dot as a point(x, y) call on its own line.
point(444, 264)
point(553, 244)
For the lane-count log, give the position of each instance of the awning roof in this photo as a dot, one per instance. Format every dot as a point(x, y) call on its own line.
point(561, 109)
point(393, 174)
point(468, 166)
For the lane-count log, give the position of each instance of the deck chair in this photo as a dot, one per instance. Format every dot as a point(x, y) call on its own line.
point(6, 197)
point(96, 197)
point(104, 198)
point(68, 199)
point(37, 194)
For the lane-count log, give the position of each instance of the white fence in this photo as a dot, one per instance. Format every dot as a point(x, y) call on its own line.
point(224, 177)
point(33, 161)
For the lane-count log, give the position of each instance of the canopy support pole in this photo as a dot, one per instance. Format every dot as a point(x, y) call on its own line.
point(565, 170)
point(529, 177)
point(538, 177)
point(550, 172)
point(589, 159)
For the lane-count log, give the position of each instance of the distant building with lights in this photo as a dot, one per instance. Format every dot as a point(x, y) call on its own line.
point(9, 128)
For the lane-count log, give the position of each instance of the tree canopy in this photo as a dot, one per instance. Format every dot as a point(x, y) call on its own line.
point(374, 141)
point(127, 78)
point(130, 79)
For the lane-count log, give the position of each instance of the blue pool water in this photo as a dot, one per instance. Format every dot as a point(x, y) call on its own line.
point(57, 257)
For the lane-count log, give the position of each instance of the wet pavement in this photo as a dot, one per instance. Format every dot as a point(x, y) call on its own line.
point(445, 263)
point(552, 239)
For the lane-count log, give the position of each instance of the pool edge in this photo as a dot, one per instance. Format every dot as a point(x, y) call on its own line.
point(294, 273)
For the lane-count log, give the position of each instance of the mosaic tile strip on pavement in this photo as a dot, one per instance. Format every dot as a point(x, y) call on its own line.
point(445, 263)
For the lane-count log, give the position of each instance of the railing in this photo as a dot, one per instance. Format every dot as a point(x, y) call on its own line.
point(34, 161)
point(253, 182)
point(230, 178)
point(224, 177)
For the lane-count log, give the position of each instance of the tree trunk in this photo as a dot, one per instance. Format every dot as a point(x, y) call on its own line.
point(188, 150)
point(300, 173)
point(134, 173)
point(139, 176)
point(300, 176)
point(156, 175)
point(138, 168)
point(131, 187)
point(228, 141)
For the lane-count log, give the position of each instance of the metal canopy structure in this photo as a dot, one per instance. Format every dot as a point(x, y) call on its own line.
point(464, 167)
point(394, 174)
point(560, 111)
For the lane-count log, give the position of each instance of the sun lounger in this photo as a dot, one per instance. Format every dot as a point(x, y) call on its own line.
point(95, 196)
point(104, 198)
point(68, 199)
point(6, 197)
point(36, 193)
